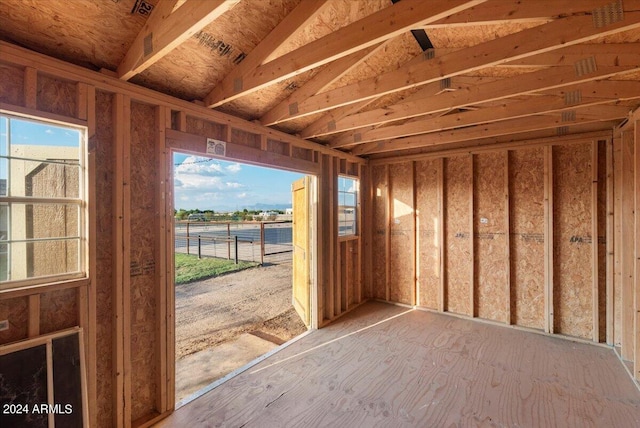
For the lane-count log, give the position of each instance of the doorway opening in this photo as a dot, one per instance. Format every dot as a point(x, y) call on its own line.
point(237, 253)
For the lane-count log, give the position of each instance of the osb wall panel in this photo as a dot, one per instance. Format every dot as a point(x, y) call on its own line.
point(101, 144)
point(572, 288)
point(301, 153)
point(378, 247)
point(492, 299)
point(617, 282)
point(401, 257)
point(13, 84)
point(278, 147)
point(16, 311)
point(602, 241)
point(204, 128)
point(526, 196)
point(459, 262)
point(56, 96)
point(245, 138)
point(58, 310)
point(351, 272)
point(143, 241)
point(427, 194)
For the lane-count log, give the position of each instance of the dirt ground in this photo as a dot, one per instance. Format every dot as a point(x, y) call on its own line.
point(218, 310)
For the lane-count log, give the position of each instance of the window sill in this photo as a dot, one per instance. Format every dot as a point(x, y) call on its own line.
point(27, 290)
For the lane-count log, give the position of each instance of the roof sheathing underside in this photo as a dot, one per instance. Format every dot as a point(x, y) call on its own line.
point(97, 35)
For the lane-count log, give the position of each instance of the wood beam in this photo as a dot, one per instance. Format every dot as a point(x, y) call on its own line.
point(606, 93)
point(288, 27)
point(548, 240)
point(606, 54)
point(345, 111)
point(512, 126)
point(336, 118)
point(371, 30)
point(636, 168)
point(466, 95)
point(320, 81)
point(554, 35)
point(500, 12)
point(166, 29)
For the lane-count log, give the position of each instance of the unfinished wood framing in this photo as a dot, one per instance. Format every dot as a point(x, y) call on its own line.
point(497, 150)
point(636, 166)
point(525, 241)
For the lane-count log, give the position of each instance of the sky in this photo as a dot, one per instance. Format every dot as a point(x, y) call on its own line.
point(199, 182)
point(218, 185)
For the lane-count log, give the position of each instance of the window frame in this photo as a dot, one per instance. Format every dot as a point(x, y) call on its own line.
point(356, 207)
point(81, 202)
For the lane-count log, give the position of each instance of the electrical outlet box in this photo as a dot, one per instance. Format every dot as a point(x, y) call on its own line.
point(4, 325)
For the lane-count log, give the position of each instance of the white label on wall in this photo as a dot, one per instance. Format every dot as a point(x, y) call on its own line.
point(484, 220)
point(216, 147)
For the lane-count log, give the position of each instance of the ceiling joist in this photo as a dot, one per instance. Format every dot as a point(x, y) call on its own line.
point(288, 27)
point(547, 37)
point(596, 93)
point(371, 30)
point(507, 127)
point(166, 29)
point(320, 81)
point(494, 90)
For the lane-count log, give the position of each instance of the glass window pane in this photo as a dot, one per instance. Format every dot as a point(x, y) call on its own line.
point(4, 136)
point(44, 161)
point(347, 206)
point(4, 175)
point(44, 179)
point(43, 258)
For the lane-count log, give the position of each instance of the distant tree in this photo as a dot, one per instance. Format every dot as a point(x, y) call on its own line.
point(181, 214)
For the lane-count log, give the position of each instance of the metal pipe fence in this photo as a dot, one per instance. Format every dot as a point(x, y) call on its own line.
point(263, 242)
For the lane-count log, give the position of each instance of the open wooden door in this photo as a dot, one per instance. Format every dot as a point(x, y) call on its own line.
point(301, 249)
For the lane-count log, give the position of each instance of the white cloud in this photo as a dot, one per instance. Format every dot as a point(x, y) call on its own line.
point(234, 168)
point(206, 184)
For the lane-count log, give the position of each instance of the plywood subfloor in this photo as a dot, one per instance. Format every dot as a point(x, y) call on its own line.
point(384, 365)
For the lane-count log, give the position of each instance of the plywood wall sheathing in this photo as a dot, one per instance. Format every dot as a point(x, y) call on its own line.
point(381, 200)
point(458, 234)
point(601, 233)
point(428, 228)
point(58, 310)
point(30, 88)
point(572, 287)
point(491, 269)
point(16, 311)
point(101, 143)
point(122, 259)
point(401, 260)
point(327, 213)
point(526, 183)
point(56, 96)
point(13, 92)
point(627, 245)
point(143, 262)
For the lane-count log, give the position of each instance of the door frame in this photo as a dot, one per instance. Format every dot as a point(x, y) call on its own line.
point(181, 142)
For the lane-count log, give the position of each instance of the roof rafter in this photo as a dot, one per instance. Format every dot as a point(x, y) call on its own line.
point(547, 37)
point(373, 29)
point(166, 29)
point(512, 126)
point(494, 90)
point(501, 11)
point(595, 93)
point(284, 31)
point(317, 83)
